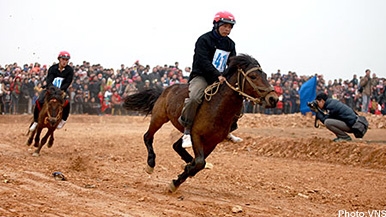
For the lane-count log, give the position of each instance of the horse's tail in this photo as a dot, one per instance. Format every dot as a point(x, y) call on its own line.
point(143, 101)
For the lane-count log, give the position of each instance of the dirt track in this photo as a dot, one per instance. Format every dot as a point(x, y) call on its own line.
point(284, 167)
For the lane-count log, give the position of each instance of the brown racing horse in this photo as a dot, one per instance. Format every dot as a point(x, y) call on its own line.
point(245, 80)
point(50, 116)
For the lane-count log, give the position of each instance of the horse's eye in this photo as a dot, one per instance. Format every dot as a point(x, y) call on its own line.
point(253, 76)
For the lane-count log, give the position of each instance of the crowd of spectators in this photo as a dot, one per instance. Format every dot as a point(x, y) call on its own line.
point(100, 91)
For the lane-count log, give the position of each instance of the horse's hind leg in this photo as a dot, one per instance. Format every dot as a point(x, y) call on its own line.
point(148, 139)
point(177, 146)
point(155, 124)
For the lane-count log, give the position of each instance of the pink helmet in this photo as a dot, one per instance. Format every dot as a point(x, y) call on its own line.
point(64, 55)
point(225, 17)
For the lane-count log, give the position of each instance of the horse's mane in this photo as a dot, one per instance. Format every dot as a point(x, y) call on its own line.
point(243, 61)
point(54, 92)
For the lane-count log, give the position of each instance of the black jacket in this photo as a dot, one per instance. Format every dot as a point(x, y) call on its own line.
point(204, 51)
point(337, 110)
point(67, 74)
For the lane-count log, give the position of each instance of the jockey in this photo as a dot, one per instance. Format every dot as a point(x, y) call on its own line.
point(59, 75)
point(211, 54)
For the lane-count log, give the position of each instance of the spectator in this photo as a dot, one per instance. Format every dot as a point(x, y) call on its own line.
point(365, 84)
point(7, 100)
point(116, 103)
point(338, 118)
point(15, 91)
point(2, 90)
point(78, 101)
point(186, 72)
point(382, 98)
point(279, 91)
point(95, 87)
point(26, 96)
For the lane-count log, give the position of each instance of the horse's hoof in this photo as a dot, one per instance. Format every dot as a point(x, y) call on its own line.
point(172, 187)
point(36, 145)
point(208, 165)
point(35, 154)
point(149, 169)
point(28, 143)
point(49, 145)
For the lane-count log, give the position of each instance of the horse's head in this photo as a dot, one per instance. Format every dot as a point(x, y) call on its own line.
point(247, 78)
point(54, 106)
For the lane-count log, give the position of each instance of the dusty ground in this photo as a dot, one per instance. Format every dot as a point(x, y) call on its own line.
point(284, 167)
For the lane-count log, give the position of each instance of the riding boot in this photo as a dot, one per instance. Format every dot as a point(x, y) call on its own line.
point(36, 117)
point(66, 112)
point(186, 119)
point(188, 113)
point(36, 112)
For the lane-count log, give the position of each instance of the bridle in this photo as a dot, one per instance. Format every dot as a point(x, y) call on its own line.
point(242, 78)
point(58, 115)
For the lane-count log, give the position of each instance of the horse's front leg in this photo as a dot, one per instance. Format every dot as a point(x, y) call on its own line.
point(51, 140)
point(37, 136)
point(31, 137)
point(42, 143)
point(177, 146)
point(191, 169)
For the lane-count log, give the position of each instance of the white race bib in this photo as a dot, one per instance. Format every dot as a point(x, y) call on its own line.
point(57, 82)
point(220, 59)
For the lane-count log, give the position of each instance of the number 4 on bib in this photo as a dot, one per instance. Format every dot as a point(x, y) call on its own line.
point(220, 59)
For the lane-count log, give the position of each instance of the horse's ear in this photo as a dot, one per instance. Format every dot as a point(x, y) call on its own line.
point(63, 94)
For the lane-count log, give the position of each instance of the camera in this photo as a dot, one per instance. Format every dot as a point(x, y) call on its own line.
point(313, 104)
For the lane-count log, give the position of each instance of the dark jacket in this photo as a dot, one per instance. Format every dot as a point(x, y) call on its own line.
point(204, 51)
point(337, 110)
point(365, 83)
point(67, 74)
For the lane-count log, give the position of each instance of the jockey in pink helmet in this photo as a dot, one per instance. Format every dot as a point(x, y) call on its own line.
point(61, 76)
point(211, 54)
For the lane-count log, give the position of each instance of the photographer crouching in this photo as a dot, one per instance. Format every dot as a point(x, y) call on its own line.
point(335, 115)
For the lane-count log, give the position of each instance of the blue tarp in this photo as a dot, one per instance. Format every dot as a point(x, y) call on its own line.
point(307, 93)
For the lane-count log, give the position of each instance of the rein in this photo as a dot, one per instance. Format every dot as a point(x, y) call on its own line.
point(212, 89)
point(49, 114)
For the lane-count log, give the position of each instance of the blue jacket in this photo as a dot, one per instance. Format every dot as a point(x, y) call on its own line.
point(337, 110)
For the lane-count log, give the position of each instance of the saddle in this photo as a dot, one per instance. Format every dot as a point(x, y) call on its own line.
point(40, 106)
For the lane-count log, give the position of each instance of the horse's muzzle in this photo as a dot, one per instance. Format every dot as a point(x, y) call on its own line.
point(271, 99)
point(52, 121)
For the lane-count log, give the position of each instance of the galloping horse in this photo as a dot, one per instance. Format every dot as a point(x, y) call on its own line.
point(245, 80)
point(49, 117)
